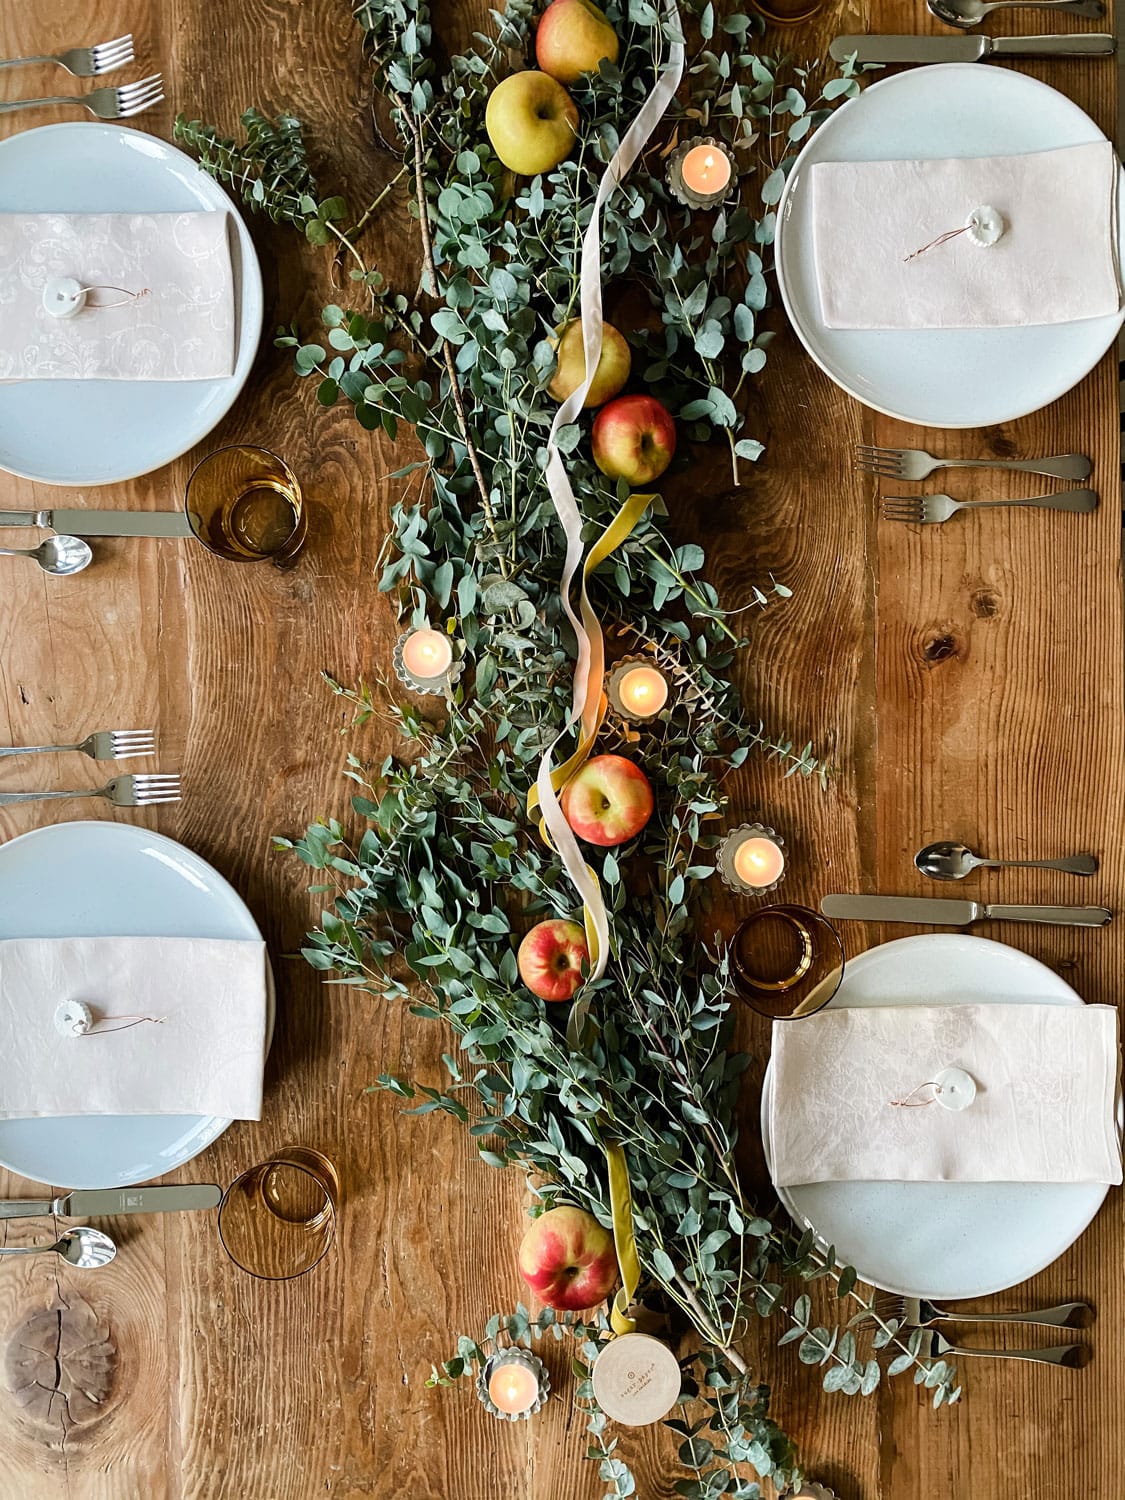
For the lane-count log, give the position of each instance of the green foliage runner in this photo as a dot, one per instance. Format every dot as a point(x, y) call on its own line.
point(428, 905)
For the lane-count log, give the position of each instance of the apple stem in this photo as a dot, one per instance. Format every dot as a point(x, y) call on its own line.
point(415, 127)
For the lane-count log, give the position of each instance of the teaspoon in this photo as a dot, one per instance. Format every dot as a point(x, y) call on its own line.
point(949, 861)
point(85, 1248)
point(58, 555)
point(966, 14)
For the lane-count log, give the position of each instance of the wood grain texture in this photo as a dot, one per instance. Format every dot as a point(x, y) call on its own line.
point(966, 683)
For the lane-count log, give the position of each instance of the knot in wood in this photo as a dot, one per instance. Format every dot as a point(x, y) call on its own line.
point(59, 1368)
point(940, 646)
point(984, 603)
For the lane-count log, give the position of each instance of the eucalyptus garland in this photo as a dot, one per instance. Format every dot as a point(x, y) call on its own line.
point(427, 905)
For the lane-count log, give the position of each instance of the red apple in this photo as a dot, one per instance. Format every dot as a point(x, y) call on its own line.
point(572, 39)
point(551, 959)
point(634, 439)
point(608, 801)
point(568, 1259)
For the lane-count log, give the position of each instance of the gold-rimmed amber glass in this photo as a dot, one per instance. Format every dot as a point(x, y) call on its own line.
point(278, 1219)
point(786, 961)
point(245, 504)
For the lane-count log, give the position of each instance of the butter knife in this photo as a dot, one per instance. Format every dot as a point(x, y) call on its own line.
point(102, 522)
point(105, 1202)
point(935, 49)
point(940, 911)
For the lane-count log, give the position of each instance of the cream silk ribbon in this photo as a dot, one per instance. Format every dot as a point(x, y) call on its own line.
point(587, 704)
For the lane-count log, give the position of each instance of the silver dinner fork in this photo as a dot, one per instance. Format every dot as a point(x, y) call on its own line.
point(122, 791)
point(917, 1312)
point(105, 744)
point(107, 104)
point(84, 62)
point(931, 510)
point(1070, 1356)
point(915, 463)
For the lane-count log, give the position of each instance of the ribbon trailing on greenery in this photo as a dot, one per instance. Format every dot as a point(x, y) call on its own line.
point(593, 710)
point(621, 1204)
point(587, 706)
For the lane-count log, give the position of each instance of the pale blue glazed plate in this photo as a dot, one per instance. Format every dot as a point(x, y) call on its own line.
point(98, 879)
point(91, 432)
point(944, 1240)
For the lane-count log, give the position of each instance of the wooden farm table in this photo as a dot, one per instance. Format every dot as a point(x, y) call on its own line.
point(966, 683)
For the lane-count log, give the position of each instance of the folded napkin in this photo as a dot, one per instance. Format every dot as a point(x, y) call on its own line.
point(1056, 261)
point(205, 1057)
point(1045, 1107)
point(183, 329)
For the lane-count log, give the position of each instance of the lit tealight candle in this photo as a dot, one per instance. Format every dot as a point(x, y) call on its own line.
point(639, 692)
point(427, 653)
point(752, 858)
point(759, 862)
point(513, 1389)
point(706, 170)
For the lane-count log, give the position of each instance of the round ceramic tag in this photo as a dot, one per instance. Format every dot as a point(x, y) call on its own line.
point(636, 1380)
point(73, 1018)
point(956, 1089)
point(63, 296)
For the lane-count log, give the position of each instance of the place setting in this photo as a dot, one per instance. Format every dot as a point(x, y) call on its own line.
point(578, 835)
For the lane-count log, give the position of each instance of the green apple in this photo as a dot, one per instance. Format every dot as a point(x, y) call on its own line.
point(531, 121)
point(614, 364)
point(572, 39)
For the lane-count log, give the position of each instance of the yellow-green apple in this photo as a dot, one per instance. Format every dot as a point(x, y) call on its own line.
point(572, 39)
point(634, 439)
point(608, 801)
point(568, 1260)
point(614, 363)
point(531, 121)
point(551, 958)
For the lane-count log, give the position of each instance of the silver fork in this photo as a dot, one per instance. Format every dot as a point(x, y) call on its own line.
point(107, 104)
point(917, 1312)
point(105, 744)
point(915, 463)
point(122, 791)
point(1070, 1356)
point(931, 510)
point(84, 62)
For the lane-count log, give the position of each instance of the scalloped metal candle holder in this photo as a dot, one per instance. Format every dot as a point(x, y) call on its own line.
point(730, 847)
point(675, 174)
point(437, 686)
point(613, 688)
point(815, 1491)
point(512, 1355)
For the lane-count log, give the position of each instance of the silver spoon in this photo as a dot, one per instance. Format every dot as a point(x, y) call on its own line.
point(966, 14)
point(949, 861)
point(85, 1248)
point(57, 555)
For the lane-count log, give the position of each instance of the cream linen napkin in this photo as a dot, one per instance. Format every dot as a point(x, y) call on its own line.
point(1045, 1109)
point(206, 1057)
point(182, 330)
point(1055, 263)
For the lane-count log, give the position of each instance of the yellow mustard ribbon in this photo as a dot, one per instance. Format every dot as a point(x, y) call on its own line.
point(593, 716)
point(624, 1240)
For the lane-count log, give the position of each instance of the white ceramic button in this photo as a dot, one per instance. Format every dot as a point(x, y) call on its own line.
point(956, 1089)
point(73, 1018)
point(63, 296)
point(985, 225)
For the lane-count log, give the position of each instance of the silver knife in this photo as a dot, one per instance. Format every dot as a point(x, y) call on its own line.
point(934, 49)
point(105, 1202)
point(102, 522)
point(942, 912)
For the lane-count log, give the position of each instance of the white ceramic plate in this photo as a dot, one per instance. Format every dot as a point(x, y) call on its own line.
point(90, 880)
point(88, 432)
point(943, 1239)
point(939, 377)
